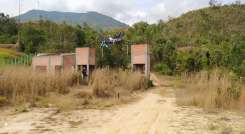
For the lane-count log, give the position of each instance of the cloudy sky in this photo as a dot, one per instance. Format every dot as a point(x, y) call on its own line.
point(128, 11)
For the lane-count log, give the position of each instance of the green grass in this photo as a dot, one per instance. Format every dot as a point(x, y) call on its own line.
point(9, 53)
point(11, 56)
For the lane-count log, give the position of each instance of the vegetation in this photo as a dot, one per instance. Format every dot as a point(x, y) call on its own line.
point(214, 89)
point(7, 53)
point(107, 83)
point(198, 40)
point(8, 29)
point(22, 84)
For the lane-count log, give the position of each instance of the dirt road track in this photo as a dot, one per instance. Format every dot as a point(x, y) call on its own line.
point(155, 113)
point(149, 116)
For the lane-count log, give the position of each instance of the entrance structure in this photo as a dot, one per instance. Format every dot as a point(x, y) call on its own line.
point(140, 59)
point(85, 60)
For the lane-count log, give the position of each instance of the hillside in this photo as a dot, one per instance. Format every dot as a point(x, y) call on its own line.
point(94, 19)
point(208, 26)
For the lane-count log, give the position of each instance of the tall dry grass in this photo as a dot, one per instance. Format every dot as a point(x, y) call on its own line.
point(111, 83)
point(213, 89)
point(22, 84)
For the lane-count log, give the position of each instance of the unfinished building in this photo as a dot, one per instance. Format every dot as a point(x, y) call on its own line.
point(85, 60)
point(140, 59)
point(54, 62)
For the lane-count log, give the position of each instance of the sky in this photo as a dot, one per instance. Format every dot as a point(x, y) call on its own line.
point(127, 11)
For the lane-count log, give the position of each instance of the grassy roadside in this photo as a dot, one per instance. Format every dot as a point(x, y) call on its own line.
point(211, 90)
point(24, 88)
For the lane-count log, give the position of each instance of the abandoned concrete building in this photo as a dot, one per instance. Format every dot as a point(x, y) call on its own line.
point(84, 58)
point(54, 63)
point(140, 59)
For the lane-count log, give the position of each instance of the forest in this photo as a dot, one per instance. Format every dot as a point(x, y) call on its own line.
point(203, 39)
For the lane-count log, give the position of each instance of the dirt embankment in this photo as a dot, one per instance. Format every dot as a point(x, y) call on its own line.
point(155, 113)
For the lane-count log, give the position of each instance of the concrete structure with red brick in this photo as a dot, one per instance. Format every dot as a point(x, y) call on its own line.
point(54, 62)
point(85, 58)
point(68, 61)
point(140, 58)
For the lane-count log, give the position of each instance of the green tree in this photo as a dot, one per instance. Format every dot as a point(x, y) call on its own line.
point(32, 39)
point(8, 29)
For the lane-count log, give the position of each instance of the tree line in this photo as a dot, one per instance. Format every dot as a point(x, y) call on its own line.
point(202, 39)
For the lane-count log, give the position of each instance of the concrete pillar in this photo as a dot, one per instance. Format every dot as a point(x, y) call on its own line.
point(88, 70)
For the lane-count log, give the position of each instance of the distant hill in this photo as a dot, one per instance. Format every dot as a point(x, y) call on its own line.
point(209, 25)
point(94, 19)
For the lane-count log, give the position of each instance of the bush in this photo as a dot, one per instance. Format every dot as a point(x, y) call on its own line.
point(163, 69)
point(107, 83)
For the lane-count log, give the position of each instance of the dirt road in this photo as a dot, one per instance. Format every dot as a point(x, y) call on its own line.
point(155, 113)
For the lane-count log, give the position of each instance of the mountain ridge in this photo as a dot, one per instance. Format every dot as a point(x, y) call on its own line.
point(94, 19)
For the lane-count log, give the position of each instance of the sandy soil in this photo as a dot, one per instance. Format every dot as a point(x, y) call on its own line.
point(155, 113)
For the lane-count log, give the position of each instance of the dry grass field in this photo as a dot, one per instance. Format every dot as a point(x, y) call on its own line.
point(210, 90)
point(155, 111)
point(23, 86)
point(35, 102)
point(114, 83)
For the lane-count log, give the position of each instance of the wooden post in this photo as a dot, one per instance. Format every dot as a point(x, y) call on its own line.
point(88, 73)
point(102, 52)
point(15, 61)
point(127, 50)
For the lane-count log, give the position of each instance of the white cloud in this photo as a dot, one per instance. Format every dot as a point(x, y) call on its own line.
point(128, 11)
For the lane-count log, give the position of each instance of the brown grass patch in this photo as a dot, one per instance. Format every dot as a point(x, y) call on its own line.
point(213, 89)
point(22, 84)
point(116, 83)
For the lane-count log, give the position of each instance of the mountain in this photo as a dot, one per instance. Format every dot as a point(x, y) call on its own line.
point(94, 19)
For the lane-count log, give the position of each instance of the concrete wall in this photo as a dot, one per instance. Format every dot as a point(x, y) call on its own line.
point(40, 63)
point(54, 63)
point(85, 56)
point(82, 56)
point(92, 56)
point(69, 62)
point(138, 53)
point(140, 56)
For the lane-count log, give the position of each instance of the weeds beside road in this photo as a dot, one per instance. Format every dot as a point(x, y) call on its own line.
point(211, 90)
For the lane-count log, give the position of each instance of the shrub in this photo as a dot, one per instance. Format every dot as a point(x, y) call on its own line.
point(163, 69)
point(107, 83)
